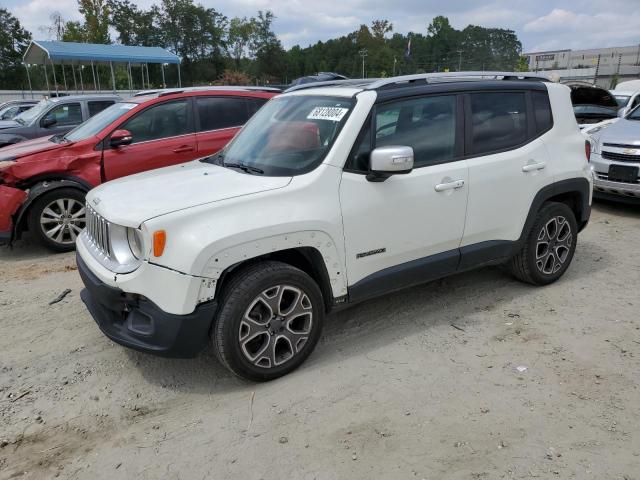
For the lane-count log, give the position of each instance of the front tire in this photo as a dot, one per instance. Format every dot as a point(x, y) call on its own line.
point(270, 320)
point(549, 246)
point(57, 217)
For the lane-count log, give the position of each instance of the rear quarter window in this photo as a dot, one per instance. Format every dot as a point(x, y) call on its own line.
point(221, 112)
point(542, 111)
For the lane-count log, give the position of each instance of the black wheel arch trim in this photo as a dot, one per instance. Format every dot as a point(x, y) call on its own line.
point(39, 187)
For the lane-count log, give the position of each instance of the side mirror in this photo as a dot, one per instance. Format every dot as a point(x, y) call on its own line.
point(48, 121)
point(387, 161)
point(120, 138)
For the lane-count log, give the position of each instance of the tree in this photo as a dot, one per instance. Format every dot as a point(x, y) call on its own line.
point(380, 28)
point(266, 48)
point(14, 40)
point(96, 20)
point(239, 35)
point(75, 32)
point(133, 25)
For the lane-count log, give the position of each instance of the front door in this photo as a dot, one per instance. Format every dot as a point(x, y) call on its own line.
point(162, 136)
point(408, 228)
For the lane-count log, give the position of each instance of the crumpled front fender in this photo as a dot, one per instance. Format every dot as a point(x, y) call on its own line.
point(10, 201)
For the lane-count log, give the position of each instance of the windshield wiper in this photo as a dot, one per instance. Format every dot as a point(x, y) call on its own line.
point(244, 168)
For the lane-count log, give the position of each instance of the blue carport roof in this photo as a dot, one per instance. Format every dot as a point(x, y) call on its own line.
point(85, 53)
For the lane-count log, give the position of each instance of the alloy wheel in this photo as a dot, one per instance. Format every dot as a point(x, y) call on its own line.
point(63, 220)
point(276, 326)
point(554, 244)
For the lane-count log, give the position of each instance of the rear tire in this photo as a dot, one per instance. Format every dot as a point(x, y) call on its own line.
point(57, 217)
point(269, 321)
point(549, 246)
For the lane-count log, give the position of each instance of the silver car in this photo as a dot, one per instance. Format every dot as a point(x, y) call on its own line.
point(55, 116)
point(615, 156)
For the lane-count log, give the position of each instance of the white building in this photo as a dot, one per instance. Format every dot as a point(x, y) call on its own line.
point(600, 66)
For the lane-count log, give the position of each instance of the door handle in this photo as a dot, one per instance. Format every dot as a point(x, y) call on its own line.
point(441, 187)
point(530, 167)
point(184, 149)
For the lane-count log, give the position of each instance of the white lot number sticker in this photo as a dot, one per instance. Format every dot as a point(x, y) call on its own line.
point(333, 114)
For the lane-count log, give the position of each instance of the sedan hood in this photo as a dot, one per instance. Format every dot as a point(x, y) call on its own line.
point(29, 147)
point(132, 200)
point(622, 132)
point(9, 124)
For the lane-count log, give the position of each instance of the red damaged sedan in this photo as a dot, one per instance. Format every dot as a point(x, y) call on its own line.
point(43, 182)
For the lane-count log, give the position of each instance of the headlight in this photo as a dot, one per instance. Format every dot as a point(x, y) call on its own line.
point(595, 145)
point(136, 244)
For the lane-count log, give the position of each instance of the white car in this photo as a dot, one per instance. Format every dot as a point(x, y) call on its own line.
point(627, 100)
point(331, 196)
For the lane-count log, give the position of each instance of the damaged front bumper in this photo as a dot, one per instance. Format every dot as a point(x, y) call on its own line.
point(11, 199)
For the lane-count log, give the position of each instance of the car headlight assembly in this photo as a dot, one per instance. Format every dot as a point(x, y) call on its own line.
point(136, 243)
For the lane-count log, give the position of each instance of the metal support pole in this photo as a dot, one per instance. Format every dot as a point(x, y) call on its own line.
point(26, 67)
point(64, 76)
point(81, 82)
point(142, 71)
point(73, 73)
point(55, 81)
point(164, 84)
point(98, 77)
point(146, 67)
point(179, 78)
point(129, 78)
point(93, 72)
point(113, 77)
point(46, 77)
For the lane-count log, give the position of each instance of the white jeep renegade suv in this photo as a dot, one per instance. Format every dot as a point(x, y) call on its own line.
point(330, 196)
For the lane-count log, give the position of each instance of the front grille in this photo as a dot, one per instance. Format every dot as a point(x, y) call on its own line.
point(620, 145)
point(605, 176)
point(98, 232)
point(620, 157)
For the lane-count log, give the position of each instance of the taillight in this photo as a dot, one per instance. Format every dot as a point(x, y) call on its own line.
point(587, 150)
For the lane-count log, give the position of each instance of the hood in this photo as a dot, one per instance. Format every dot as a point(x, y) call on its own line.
point(132, 200)
point(29, 147)
point(9, 124)
point(622, 132)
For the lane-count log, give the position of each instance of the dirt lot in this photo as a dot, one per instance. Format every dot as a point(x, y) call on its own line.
point(421, 384)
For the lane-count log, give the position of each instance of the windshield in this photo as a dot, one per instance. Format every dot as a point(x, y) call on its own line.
point(289, 135)
point(98, 122)
point(635, 114)
point(622, 100)
point(30, 115)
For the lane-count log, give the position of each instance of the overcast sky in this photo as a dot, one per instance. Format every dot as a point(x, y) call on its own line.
point(540, 24)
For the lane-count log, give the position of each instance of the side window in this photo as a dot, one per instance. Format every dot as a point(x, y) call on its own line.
point(358, 160)
point(97, 107)
point(498, 121)
point(636, 102)
point(427, 124)
point(67, 114)
point(255, 104)
point(542, 111)
point(221, 112)
point(160, 121)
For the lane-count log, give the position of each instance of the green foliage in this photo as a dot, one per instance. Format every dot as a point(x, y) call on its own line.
point(210, 44)
point(13, 41)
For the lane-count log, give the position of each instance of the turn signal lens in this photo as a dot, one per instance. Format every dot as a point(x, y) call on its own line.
point(159, 241)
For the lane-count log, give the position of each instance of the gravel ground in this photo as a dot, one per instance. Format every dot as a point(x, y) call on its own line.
point(473, 377)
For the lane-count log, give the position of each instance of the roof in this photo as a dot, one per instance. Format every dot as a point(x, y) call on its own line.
point(85, 53)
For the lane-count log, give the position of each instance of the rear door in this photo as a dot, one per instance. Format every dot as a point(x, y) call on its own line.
point(508, 162)
point(162, 134)
point(218, 119)
point(96, 106)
